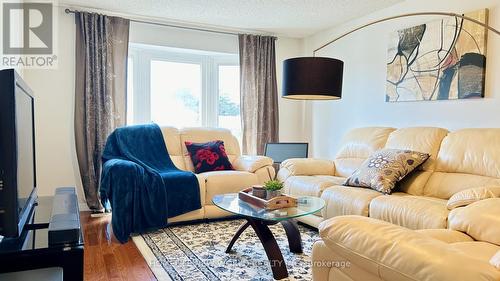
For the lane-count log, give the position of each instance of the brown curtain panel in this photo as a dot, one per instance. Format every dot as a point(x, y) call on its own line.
point(259, 93)
point(100, 94)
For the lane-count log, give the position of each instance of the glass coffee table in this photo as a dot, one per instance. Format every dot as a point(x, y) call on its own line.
point(259, 219)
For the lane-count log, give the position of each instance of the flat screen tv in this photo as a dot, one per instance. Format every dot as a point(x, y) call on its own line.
point(17, 153)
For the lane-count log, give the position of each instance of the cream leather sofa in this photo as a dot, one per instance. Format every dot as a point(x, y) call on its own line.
point(459, 160)
point(249, 170)
point(365, 249)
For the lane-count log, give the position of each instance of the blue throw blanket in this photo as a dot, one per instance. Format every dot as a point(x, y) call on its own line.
point(142, 183)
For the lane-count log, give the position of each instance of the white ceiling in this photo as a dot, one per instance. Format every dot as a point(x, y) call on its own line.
point(294, 18)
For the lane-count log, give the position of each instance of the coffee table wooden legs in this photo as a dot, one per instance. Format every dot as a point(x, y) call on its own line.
point(293, 235)
point(271, 247)
point(237, 235)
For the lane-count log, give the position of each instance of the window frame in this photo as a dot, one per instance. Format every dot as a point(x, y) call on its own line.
point(142, 56)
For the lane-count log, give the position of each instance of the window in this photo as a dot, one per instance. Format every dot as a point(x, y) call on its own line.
point(183, 88)
point(229, 98)
point(176, 93)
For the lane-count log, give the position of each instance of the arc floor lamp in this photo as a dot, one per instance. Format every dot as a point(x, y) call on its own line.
point(320, 78)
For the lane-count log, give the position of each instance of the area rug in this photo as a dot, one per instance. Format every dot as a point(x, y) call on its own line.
point(197, 252)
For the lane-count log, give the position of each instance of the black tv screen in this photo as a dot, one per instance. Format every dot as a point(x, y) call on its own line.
point(17, 153)
point(25, 149)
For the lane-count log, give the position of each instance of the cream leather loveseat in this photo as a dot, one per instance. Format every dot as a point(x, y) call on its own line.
point(459, 160)
point(249, 170)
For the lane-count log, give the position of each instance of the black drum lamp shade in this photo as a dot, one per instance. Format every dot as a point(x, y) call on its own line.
point(312, 78)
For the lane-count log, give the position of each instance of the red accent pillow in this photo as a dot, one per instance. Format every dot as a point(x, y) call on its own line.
point(208, 156)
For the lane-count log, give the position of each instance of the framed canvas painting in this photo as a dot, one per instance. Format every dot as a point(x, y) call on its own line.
point(441, 60)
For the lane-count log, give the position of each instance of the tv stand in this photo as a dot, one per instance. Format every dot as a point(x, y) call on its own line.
point(33, 251)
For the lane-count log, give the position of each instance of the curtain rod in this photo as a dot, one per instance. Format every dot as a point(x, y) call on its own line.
point(404, 16)
point(69, 11)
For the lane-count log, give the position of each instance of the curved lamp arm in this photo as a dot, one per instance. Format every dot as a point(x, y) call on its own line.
point(405, 16)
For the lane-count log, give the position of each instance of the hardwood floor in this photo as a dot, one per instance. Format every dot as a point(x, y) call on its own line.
point(108, 260)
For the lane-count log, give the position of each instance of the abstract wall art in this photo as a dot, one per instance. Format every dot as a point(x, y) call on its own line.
point(440, 60)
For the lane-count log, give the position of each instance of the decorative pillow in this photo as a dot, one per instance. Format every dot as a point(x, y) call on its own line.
point(384, 168)
point(471, 195)
point(208, 156)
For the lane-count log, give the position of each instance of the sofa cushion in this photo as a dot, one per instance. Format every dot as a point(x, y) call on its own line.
point(423, 139)
point(356, 146)
point(310, 185)
point(414, 212)
point(208, 156)
point(471, 151)
point(480, 220)
point(220, 182)
point(467, 158)
point(344, 200)
point(386, 167)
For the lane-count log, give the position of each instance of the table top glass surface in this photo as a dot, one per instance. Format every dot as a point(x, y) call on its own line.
point(306, 205)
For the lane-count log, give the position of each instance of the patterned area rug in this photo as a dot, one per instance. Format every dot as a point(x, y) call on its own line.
point(197, 252)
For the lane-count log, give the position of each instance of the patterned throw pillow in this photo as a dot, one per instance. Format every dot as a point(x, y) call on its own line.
point(384, 168)
point(208, 156)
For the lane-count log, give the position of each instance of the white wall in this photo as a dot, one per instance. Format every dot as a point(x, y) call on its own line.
point(290, 111)
point(182, 38)
point(54, 89)
point(54, 108)
point(363, 101)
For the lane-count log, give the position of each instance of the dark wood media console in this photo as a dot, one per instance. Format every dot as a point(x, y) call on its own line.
point(32, 249)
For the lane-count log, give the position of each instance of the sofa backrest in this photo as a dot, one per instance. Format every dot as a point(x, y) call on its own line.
point(205, 135)
point(467, 158)
point(172, 139)
point(421, 139)
point(175, 140)
point(357, 145)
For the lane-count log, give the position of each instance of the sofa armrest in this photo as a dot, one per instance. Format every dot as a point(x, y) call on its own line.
point(471, 195)
point(305, 167)
point(395, 253)
point(250, 163)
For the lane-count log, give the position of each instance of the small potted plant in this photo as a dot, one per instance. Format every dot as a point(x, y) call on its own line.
point(273, 188)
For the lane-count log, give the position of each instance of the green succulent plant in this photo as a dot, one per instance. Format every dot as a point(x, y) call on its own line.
point(273, 185)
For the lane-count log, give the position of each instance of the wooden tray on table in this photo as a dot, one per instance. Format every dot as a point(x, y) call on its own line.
point(278, 202)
